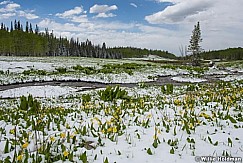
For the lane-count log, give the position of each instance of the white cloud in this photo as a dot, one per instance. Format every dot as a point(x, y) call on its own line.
point(105, 15)
point(102, 8)
point(13, 9)
point(4, 2)
point(9, 7)
point(57, 27)
point(134, 5)
point(7, 15)
point(29, 15)
point(12, 6)
point(72, 12)
point(103, 11)
point(79, 19)
point(171, 1)
point(180, 11)
point(77, 14)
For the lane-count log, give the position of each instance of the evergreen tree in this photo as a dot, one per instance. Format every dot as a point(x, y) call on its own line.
point(27, 27)
point(19, 26)
point(194, 46)
point(2, 26)
point(15, 25)
point(31, 30)
point(11, 28)
point(36, 29)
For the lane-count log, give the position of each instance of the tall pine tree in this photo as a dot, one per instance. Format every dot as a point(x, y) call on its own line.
point(194, 46)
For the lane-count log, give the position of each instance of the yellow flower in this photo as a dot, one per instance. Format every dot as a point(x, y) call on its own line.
point(63, 135)
point(190, 125)
point(114, 129)
point(25, 145)
point(206, 116)
point(177, 102)
point(198, 121)
point(52, 138)
point(20, 157)
point(108, 122)
point(149, 115)
point(12, 131)
point(110, 129)
point(39, 121)
point(65, 153)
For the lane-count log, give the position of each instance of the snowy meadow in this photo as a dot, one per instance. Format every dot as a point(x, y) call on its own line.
point(103, 110)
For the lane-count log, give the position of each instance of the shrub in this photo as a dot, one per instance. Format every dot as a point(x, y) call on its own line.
point(167, 89)
point(28, 103)
point(111, 93)
point(86, 98)
point(61, 70)
point(32, 72)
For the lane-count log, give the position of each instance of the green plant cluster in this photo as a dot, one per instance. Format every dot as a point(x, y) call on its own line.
point(111, 68)
point(86, 70)
point(112, 93)
point(34, 72)
point(167, 89)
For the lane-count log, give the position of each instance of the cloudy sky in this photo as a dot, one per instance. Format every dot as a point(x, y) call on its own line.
point(153, 24)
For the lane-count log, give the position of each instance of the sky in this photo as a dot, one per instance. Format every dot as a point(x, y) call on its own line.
point(153, 24)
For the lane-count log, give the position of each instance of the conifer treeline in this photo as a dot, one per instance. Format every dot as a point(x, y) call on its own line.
point(19, 40)
point(130, 52)
point(227, 54)
point(224, 55)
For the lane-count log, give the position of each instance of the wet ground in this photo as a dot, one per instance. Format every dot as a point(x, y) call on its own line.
point(161, 80)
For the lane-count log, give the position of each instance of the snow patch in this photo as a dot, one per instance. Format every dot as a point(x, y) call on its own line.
point(188, 79)
point(36, 91)
point(232, 78)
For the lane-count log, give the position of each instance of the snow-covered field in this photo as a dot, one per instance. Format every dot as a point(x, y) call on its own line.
point(140, 124)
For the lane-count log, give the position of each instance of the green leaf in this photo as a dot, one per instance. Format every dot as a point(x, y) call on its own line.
point(216, 143)
point(155, 144)
point(70, 156)
point(172, 151)
point(6, 148)
point(175, 130)
point(210, 140)
point(119, 153)
point(230, 142)
point(149, 151)
point(106, 160)
point(232, 120)
point(83, 157)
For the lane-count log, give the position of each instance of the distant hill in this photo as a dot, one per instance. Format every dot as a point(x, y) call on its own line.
point(132, 52)
point(227, 54)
